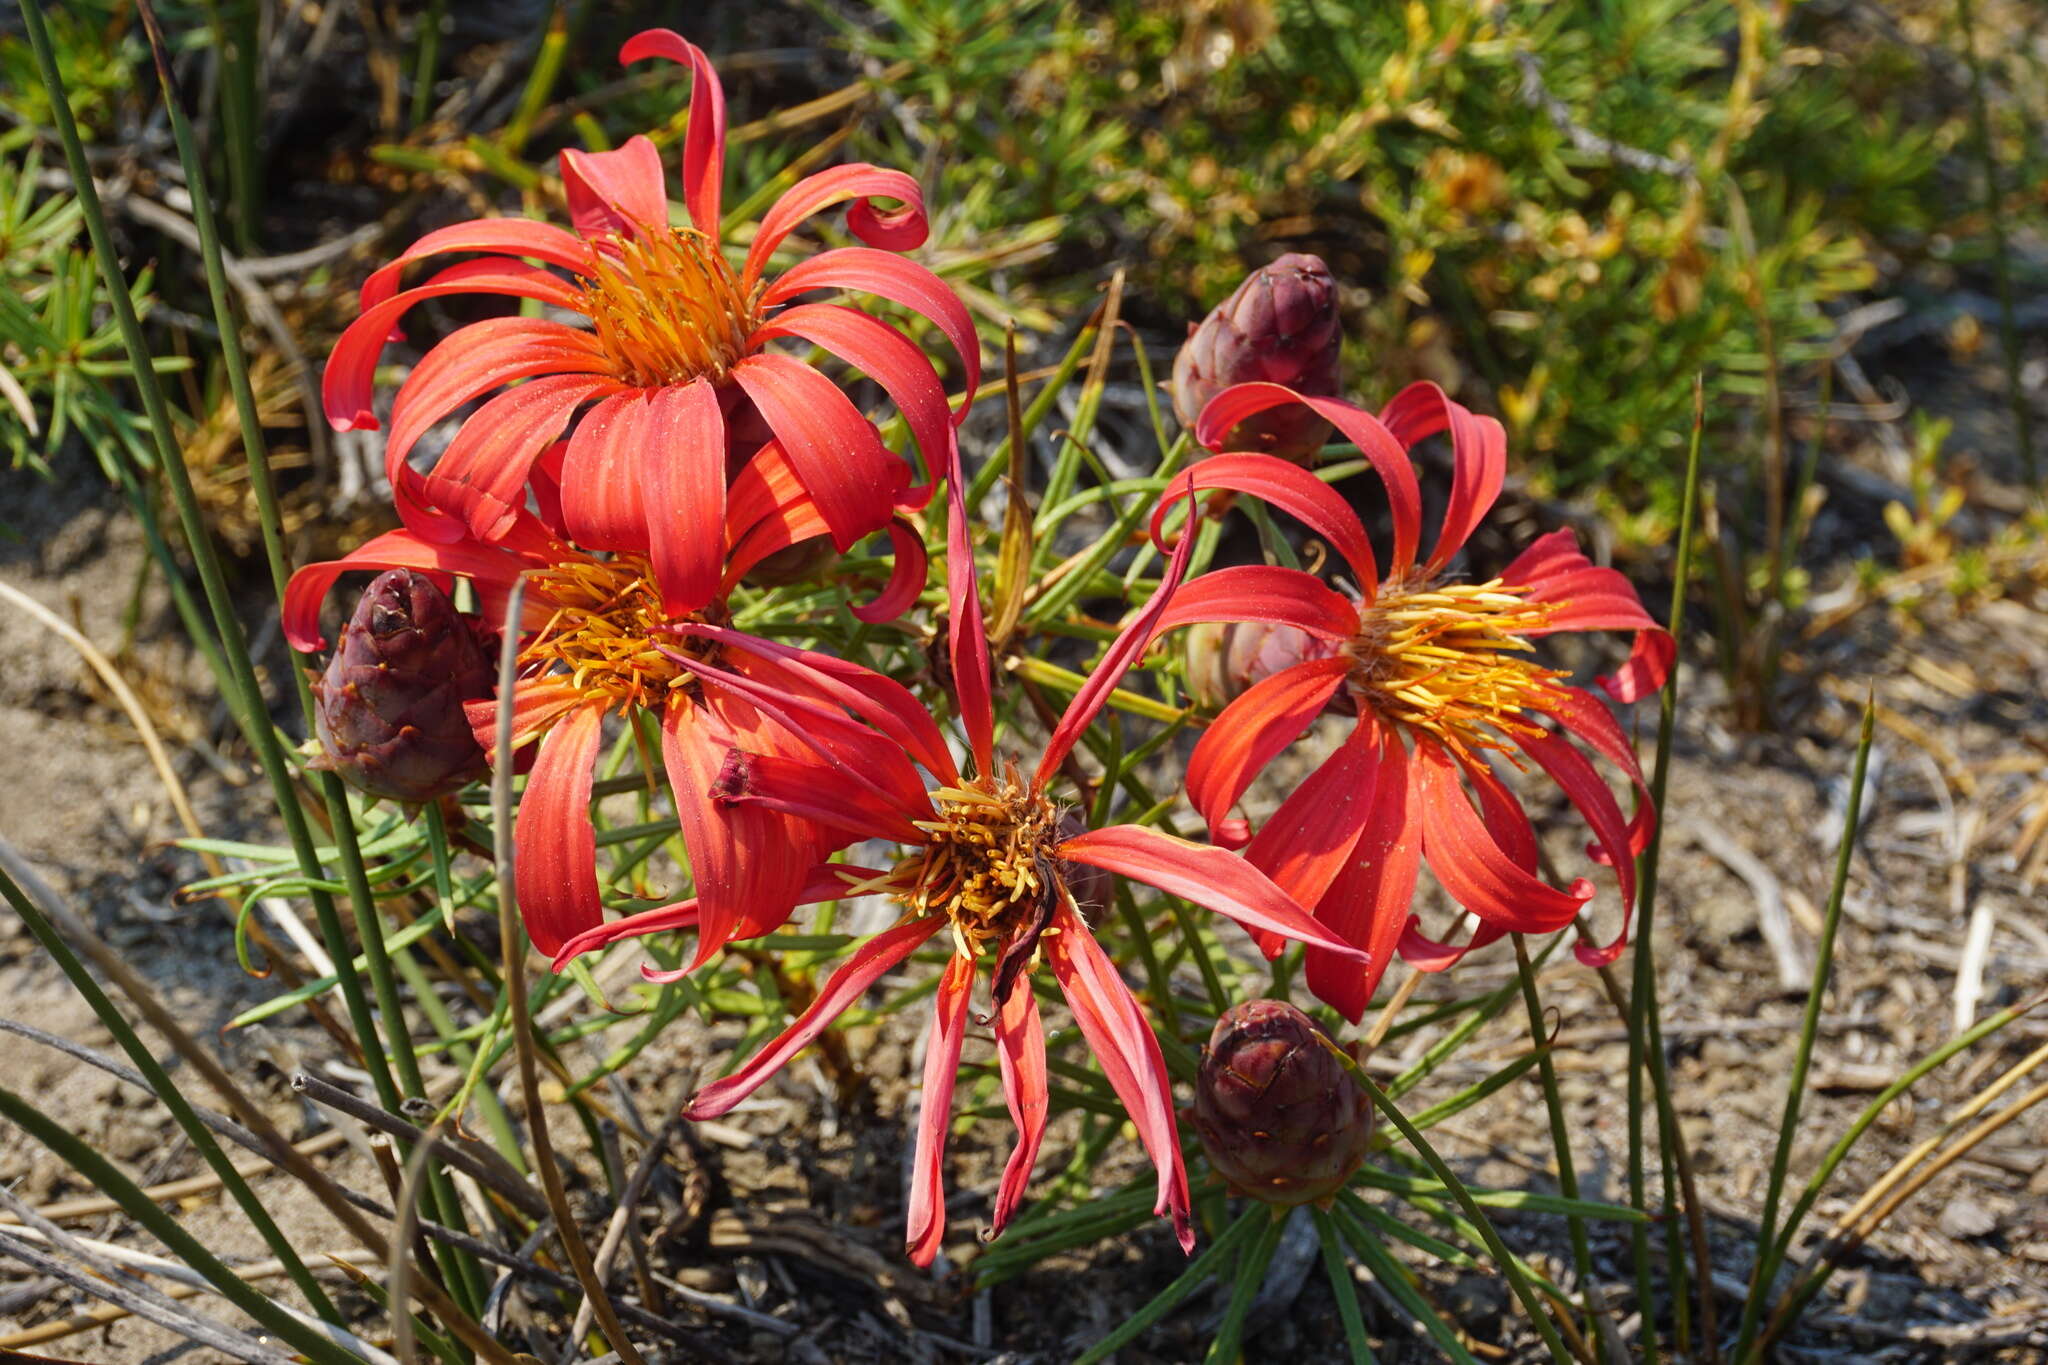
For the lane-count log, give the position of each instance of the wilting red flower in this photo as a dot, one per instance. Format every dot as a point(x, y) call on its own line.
point(675, 366)
point(988, 865)
point(597, 638)
point(1438, 673)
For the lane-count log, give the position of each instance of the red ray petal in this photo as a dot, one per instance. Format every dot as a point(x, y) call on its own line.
point(684, 467)
point(903, 229)
point(909, 567)
point(827, 882)
point(704, 144)
point(309, 586)
point(1262, 592)
point(473, 360)
point(507, 236)
point(617, 192)
point(1308, 841)
point(748, 864)
point(555, 869)
point(813, 792)
point(1295, 491)
point(1584, 716)
point(1124, 652)
point(537, 703)
point(1388, 457)
point(845, 467)
point(1204, 874)
point(1591, 598)
point(1572, 772)
point(966, 630)
point(1250, 732)
point(1129, 1053)
point(867, 964)
point(1479, 459)
point(926, 1224)
point(1020, 1049)
point(347, 387)
point(1473, 868)
point(890, 277)
point(604, 496)
point(1367, 904)
point(482, 475)
point(886, 356)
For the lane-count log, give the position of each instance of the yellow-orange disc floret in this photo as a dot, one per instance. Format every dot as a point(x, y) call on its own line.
point(668, 309)
point(607, 630)
point(987, 865)
point(1453, 660)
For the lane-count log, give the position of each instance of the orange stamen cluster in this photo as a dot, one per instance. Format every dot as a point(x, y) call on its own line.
point(1453, 660)
point(667, 308)
point(607, 632)
point(987, 863)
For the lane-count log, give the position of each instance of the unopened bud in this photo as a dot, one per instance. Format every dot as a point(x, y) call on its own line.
point(1281, 326)
point(390, 703)
point(1277, 1111)
point(1224, 659)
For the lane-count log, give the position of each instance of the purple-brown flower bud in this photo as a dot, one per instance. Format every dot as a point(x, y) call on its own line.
point(390, 704)
point(1279, 1115)
point(1281, 326)
point(1224, 659)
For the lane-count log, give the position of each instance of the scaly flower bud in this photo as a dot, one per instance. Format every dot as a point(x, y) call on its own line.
point(1281, 326)
point(390, 704)
point(1225, 658)
point(1280, 1117)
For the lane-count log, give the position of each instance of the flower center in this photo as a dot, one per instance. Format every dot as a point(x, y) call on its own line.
point(607, 630)
point(1451, 658)
point(988, 865)
point(667, 308)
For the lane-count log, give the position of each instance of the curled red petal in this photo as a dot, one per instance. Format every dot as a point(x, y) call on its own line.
point(1389, 458)
point(967, 631)
point(500, 236)
point(844, 466)
point(909, 566)
point(1295, 491)
point(684, 464)
point(1479, 459)
point(1582, 715)
point(1473, 868)
point(473, 360)
point(926, 1224)
point(1128, 1052)
point(442, 561)
point(1367, 904)
point(886, 356)
point(902, 229)
point(537, 703)
point(704, 143)
point(1020, 1051)
point(555, 868)
point(1572, 772)
point(888, 276)
point(1204, 874)
point(1123, 653)
point(482, 475)
point(1251, 731)
point(619, 192)
point(867, 964)
point(1262, 592)
point(347, 386)
point(1587, 597)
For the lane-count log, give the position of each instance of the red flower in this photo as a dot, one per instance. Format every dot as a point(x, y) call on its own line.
point(675, 362)
point(1438, 672)
point(992, 863)
point(597, 638)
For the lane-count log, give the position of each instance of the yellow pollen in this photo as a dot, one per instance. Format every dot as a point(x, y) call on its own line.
point(667, 308)
point(1453, 660)
point(606, 633)
point(987, 863)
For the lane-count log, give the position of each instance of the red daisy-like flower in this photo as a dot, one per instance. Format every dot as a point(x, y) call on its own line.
point(672, 330)
point(1438, 673)
point(992, 861)
point(596, 639)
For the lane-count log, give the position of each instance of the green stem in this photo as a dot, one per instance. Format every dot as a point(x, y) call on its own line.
point(1768, 1259)
point(1342, 1288)
point(1560, 1141)
point(167, 1091)
point(429, 59)
point(1251, 1273)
